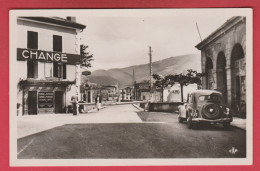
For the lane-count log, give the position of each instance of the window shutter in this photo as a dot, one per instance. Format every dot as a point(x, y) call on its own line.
point(55, 69)
point(35, 66)
point(35, 40)
point(29, 42)
point(30, 69)
point(60, 44)
point(57, 43)
point(64, 72)
point(32, 40)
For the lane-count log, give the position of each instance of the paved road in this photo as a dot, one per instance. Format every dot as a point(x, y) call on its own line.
point(31, 124)
point(128, 135)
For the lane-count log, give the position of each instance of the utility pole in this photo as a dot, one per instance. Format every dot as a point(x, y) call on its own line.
point(151, 69)
point(133, 95)
point(133, 76)
point(198, 31)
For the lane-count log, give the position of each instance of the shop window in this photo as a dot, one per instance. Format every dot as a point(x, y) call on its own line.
point(57, 43)
point(59, 70)
point(32, 40)
point(32, 69)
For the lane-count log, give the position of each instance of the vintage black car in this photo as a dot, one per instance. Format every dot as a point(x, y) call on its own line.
point(205, 106)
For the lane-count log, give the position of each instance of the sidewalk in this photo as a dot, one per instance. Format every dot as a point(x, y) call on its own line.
point(239, 122)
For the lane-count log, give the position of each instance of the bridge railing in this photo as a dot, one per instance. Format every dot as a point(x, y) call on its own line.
point(79, 106)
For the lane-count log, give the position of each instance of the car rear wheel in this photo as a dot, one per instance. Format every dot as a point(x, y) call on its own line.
point(211, 111)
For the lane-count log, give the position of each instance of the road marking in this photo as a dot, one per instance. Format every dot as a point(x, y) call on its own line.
point(26, 146)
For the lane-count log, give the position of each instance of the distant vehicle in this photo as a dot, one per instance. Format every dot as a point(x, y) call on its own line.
point(204, 106)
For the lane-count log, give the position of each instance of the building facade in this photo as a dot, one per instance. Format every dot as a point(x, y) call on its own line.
point(173, 93)
point(126, 94)
point(143, 92)
point(109, 92)
point(47, 60)
point(223, 60)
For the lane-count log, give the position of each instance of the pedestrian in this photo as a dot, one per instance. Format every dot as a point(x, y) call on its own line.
point(98, 102)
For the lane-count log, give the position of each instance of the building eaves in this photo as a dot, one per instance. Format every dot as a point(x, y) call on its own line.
point(220, 31)
point(57, 21)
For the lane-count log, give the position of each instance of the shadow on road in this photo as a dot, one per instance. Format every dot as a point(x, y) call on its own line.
point(131, 140)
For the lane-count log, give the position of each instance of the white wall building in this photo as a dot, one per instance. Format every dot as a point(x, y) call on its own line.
point(173, 94)
point(47, 60)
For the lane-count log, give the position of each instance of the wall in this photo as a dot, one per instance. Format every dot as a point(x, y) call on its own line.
point(173, 96)
point(155, 97)
point(70, 44)
point(162, 107)
point(225, 44)
point(45, 36)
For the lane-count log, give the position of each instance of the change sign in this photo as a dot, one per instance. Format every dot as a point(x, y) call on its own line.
point(39, 55)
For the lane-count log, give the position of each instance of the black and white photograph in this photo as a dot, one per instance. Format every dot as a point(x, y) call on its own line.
point(103, 87)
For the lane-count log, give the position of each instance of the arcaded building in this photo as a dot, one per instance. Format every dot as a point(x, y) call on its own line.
point(47, 63)
point(223, 60)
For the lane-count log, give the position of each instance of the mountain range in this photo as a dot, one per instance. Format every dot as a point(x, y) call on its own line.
point(124, 76)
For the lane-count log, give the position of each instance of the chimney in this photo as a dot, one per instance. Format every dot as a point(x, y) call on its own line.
point(73, 19)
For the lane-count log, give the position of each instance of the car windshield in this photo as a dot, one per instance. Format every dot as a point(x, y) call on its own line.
point(210, 98)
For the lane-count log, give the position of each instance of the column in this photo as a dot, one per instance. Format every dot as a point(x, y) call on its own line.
point(229, 92)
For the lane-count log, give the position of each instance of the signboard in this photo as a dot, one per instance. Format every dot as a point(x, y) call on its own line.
point(39, 55)
point(45, 99)
point(240, 67)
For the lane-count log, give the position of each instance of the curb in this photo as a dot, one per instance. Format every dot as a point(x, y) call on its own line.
point(92, 110)
point(239, 123)
point(138, 107)
point(238, 127)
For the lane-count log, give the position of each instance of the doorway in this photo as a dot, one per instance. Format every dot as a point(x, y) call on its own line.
point(209, 73)
point(32, 103)
point(58, 102)
point(238, 105)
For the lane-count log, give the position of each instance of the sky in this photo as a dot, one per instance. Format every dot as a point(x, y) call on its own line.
point(121, 39)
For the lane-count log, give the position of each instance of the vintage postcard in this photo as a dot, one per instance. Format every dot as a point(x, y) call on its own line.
point(131, 87)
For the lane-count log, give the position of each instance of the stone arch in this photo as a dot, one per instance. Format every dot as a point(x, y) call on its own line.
point(209, 73)
point(221, 74)
point(237, 65)
point(243, 44)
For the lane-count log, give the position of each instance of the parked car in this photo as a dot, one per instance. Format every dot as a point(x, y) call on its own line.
point(204, 106)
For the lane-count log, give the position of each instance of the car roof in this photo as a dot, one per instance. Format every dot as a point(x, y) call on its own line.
point(205, 92)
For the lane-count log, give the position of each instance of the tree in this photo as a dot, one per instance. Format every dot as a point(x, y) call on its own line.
point(162, 82)
point(192, 77)
point(86, 57)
